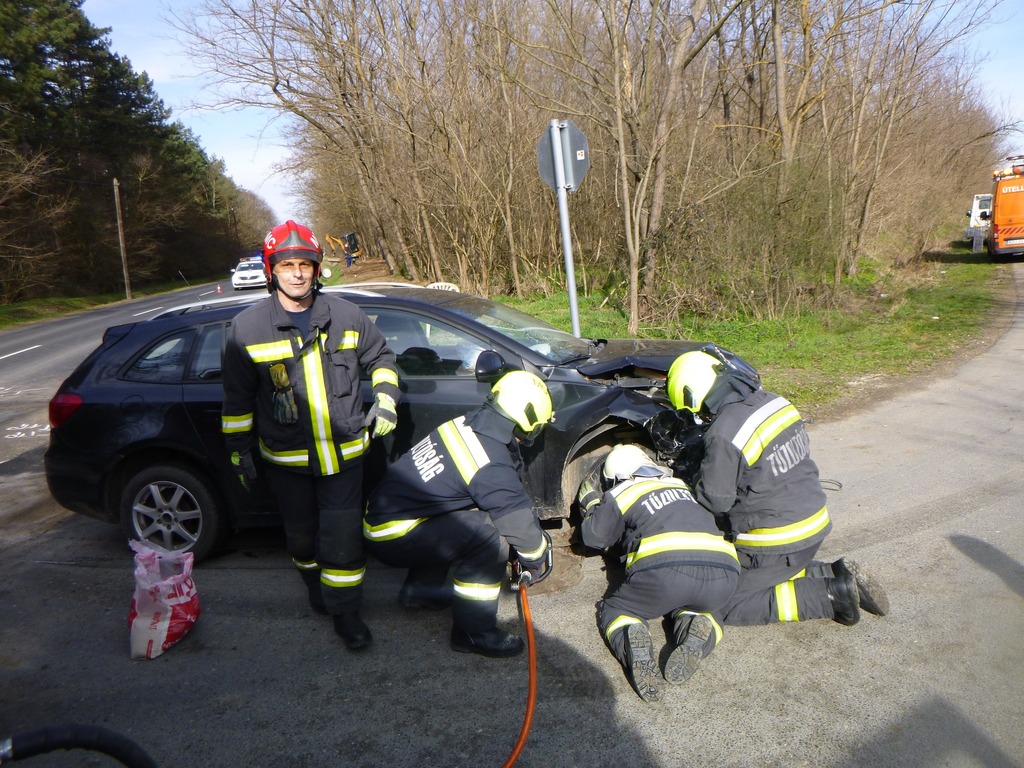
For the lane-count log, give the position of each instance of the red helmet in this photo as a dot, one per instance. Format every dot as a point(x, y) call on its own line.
point(284, 240)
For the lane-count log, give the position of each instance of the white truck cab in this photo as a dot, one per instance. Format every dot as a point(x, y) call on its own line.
point(979, 221)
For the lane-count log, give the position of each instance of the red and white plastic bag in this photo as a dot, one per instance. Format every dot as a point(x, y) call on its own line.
point(166, 602)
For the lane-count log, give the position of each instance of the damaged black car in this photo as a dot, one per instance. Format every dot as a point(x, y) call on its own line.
point(135, 429)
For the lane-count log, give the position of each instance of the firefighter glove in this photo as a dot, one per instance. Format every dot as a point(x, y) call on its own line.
point(244, 467)
point(588, 496)
point(382, 415)
point(285, 410)
point(535, 571)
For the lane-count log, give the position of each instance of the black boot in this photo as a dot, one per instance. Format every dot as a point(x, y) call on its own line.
point(869, 592)
point(315, 589)
point(353, 631)
point(688, 654)
point(495, 643)
point(642, 668)
point(842, 592)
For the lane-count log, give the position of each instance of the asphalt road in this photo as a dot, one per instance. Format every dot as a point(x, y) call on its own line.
point(926, 491)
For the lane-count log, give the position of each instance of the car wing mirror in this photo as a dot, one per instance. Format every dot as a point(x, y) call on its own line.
point(490, 366)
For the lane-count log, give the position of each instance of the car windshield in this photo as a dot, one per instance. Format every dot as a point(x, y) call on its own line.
point(250, 266)
point(555, 345)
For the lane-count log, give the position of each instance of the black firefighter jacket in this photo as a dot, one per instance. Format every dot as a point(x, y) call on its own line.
point(658, 523)
point(757, 475)
point(471, 462)
point(321, 374)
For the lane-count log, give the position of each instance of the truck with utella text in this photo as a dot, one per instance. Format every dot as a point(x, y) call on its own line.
point(1006, 237)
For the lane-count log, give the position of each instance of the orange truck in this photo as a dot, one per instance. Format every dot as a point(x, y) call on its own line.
point(1006, 238)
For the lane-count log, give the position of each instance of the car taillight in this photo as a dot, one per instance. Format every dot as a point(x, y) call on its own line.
point(62, 406)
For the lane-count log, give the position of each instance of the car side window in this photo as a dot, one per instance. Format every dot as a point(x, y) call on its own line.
point(164, 361)
point(425, 347)
point(206, 360)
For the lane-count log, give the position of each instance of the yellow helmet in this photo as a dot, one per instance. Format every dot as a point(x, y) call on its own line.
point(690, 378)
point(524, 398)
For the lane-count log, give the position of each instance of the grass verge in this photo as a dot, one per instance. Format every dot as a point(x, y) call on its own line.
point(46, 309)
point(819, 357)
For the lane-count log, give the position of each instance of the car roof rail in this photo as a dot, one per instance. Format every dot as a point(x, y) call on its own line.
point(198, 306)
point(226, 301)
point(371, 285)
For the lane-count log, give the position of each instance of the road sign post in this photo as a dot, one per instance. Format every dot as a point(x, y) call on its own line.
point(563, 159)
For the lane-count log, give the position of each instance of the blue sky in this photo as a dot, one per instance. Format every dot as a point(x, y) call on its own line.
point(1001, 72)
point(243, 140)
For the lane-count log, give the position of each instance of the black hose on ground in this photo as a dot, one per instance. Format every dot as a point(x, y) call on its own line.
point(74, 736)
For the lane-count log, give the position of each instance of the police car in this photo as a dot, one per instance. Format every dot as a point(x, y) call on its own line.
point(249, 274)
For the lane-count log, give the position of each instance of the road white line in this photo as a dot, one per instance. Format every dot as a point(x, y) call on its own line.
point(147, 311)
point(26, 349)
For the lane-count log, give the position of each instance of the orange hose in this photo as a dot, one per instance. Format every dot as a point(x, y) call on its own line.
point(531, 694)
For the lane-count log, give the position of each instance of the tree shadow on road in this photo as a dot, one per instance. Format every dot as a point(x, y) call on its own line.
point(936, 734)
point(992, 559)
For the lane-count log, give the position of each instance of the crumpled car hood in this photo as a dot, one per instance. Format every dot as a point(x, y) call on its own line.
point(642, 356)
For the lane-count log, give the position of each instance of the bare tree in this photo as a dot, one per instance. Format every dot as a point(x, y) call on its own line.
point(28, 213)
point(739, 148)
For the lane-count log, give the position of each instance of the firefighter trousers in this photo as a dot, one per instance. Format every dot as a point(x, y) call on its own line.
point(467, 539)
point(323, 526)
point(666, 591)
point(778, 587)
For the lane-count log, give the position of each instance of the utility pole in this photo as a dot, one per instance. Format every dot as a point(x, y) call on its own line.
point(120, 239)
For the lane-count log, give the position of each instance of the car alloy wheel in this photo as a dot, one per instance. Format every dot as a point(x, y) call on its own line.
point(173, 507)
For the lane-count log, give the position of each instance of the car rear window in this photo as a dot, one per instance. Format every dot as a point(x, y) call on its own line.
point(164, 361)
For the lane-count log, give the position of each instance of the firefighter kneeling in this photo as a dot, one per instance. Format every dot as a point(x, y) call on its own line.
point(678, 565)
point(457, 498)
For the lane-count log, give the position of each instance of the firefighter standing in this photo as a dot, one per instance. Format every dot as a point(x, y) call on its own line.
point(678, 565)
point(758, 478)
point(457, 498)
point(291, 391)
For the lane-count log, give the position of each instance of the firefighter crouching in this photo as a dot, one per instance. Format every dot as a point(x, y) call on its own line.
point(457, 499)
point(678, 565)
point(291, 392)
point(759, 480)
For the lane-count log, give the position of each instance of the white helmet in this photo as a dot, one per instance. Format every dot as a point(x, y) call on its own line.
point(627, 461)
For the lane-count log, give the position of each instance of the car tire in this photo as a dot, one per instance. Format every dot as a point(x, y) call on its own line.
point(584, 466)
point(173, 507)
point(587, 465)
